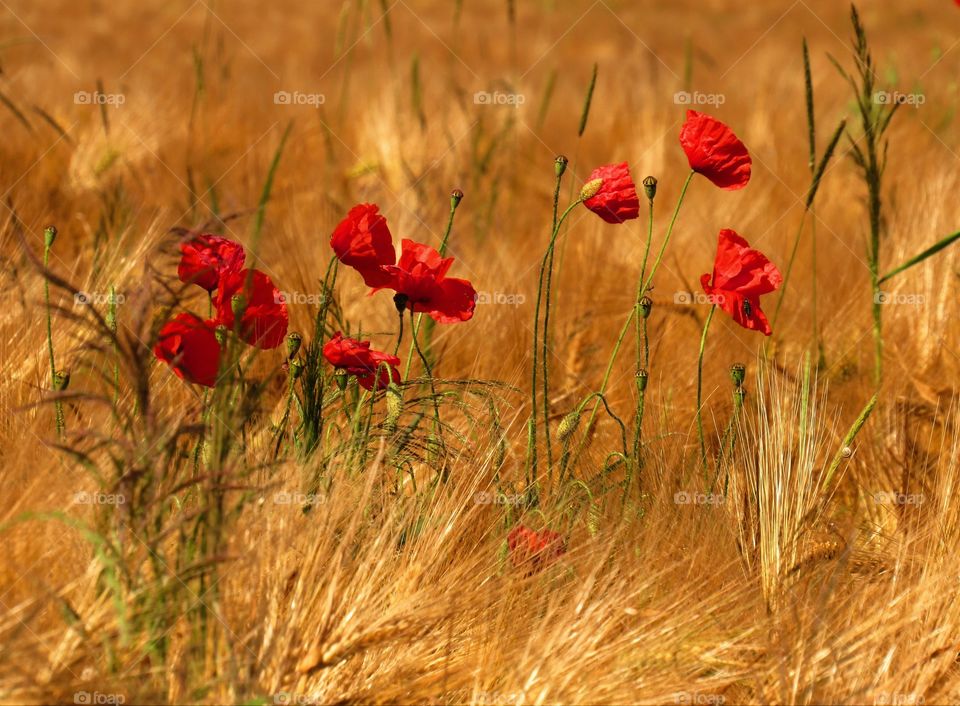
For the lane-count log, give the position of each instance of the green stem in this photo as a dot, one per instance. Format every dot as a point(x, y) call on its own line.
point(429, 373)
point(53, 365)
point(643, 343)
point(532, 440)
point(703, 343)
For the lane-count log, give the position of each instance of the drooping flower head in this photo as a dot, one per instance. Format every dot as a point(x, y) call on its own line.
point(363, 242)
point(536, 549)
point(371, 367)
point(263, 312)
point(206, 258)
point(420, 277)
point(611, 193)
point(714, 151)
point(740, 276)
point(188, 344)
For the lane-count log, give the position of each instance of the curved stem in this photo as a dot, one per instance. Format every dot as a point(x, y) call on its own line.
point(666, 239)
point(703, 343)
point(643, 345)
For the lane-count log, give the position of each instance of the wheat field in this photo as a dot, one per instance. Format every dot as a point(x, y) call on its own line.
point(175, 545)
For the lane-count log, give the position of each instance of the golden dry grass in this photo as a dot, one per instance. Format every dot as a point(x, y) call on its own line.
point(783, 593)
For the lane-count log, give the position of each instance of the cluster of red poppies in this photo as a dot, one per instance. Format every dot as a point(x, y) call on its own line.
point(242, 299)
point(419, 280)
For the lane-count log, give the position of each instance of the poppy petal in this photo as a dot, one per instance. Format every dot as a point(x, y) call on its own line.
point(714, 151)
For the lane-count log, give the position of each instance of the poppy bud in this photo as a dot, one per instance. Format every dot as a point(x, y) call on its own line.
point(737, 373)
point(237, 305)
point(400, 301)
point(568, 425)
point(590, 189)
point(294, 340)
point(296, 369)
point(61, 380)
point(650, 187)
point(560, 165)
point(646, 303)
point(221, 333)
point(341, 380)
point(394, 406)
point(642, 380)
point(456, 196)
point(49, 235)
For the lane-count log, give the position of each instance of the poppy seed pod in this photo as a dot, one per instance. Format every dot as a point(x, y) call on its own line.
point(560, 165)
point(49, 235)
point(590, 189)
point(456, 196)
point(61, 380)
point(400, 302)
point(737, 373)
point(568, 425)
point(221, 334)
point(650, 187)
point(394, 406)
point(237, 305)
point(341, 379)
point(646, 304)
point(294, 340)
point(642, 380)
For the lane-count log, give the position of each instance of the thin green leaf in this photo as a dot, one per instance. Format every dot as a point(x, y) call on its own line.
point(917, 259)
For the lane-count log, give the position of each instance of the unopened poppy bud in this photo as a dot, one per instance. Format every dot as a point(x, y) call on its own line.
point(221, 334)
point(560, 165)
point(294, 340)
point(61, 380)
point(642, 380)
point(341, 380)
point(737, 373)
point(456, 196)
point(650, 186)
point(394, 406)
point(590, 189)
point(646, 304)
point(296, 369)
point(49, 235)
point(237, 304)
point(400, 301)
point(568, 425)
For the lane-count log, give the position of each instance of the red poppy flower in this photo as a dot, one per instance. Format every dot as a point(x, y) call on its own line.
point(714, 151)
point(614, 198)
point(536, 548)
point(206, 257)
point(357, 358)
point(740, 276)
point(188, 344)
point(264, 320)
point(363, 241)
point(421, 277)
